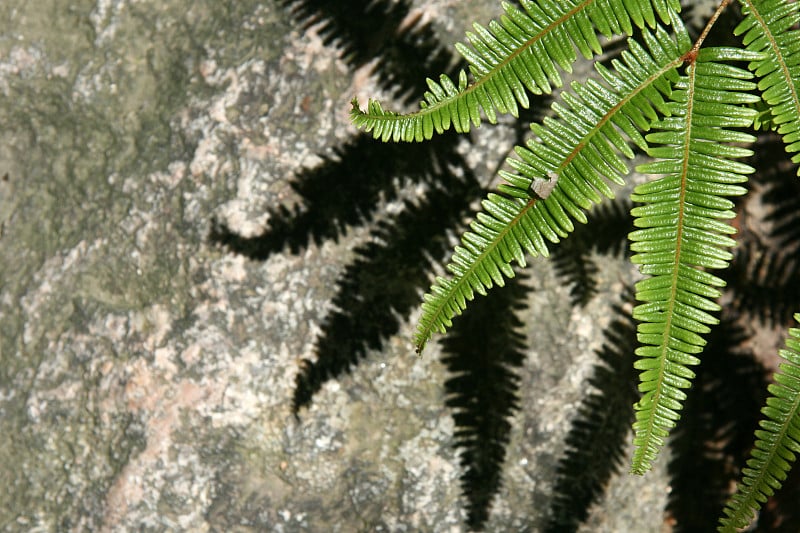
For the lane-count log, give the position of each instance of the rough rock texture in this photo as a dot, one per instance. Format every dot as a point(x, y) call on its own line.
point(146, 375)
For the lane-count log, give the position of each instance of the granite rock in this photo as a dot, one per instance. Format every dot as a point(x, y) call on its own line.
point(146, 375)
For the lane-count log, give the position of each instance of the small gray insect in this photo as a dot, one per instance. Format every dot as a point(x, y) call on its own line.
point(542, 187)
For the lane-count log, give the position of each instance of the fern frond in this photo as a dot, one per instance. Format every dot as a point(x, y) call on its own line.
point(770, 26)
point(777, 441)
point(682, 235)
point(576, 152)
point(520, 53)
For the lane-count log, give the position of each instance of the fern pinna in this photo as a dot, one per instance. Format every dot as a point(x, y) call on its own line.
point(777, 441)
point(683, 235)
point(684, 105)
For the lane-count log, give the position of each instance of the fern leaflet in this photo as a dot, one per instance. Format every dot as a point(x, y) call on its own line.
point(777, 441)
point(769, 27)
point(682, 234)
point(513, 56)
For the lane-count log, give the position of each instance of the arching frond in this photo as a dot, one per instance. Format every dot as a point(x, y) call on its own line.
point(777, 441)
point(520, 53)
point(770, 26)
point(572, 155)
point(682, 235)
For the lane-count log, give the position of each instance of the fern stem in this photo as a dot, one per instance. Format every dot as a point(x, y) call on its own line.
point(691, 55)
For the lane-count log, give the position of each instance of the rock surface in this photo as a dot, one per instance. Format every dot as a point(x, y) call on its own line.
point(146, 375)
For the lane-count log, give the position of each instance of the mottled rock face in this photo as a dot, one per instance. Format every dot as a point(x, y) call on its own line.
point(147, 374)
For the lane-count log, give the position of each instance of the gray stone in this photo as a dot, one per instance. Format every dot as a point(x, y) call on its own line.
point(146, 375)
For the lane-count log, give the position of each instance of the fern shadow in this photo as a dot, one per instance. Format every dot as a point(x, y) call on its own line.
point(763, 277)
point(379, 289)
point(385, 34)
point(391, 269)
point(606, 233)
point(383, 285)
point(595, 445)
point(716, 429)
point(343, 190)
point(483, 390)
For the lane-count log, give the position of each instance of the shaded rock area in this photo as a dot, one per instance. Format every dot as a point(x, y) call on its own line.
point(147, 374)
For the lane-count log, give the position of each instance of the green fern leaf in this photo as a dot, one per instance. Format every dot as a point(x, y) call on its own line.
point(777, 441)
point(574, 154)
point(518, 54)
point(770, 27)
point(682, 235)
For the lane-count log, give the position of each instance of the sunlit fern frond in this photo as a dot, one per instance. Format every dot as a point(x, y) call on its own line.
point(519, 54)
point(682, 234)
point(574, 153)
point(777, 441)
point(770, 27)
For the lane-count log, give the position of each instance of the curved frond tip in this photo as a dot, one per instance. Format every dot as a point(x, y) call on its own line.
point(777, 442)
point(518, 54)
